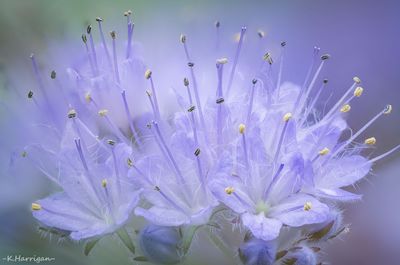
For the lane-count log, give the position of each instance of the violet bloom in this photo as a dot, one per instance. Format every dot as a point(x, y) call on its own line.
point(97, 198)
point(94, 138)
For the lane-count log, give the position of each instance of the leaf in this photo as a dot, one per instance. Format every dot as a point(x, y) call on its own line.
point(321, 233)
point(126, 239)
point(90, 245)
point(188, 235)
point(141, 259)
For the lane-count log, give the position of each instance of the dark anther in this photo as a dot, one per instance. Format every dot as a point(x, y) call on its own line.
point(192, 108)
point(197, 152)
point(190, 64)
point(220, 100)
point(30, 94)
point(254, 81)
point(325, 57)
point(89, 29)
point(53, 74)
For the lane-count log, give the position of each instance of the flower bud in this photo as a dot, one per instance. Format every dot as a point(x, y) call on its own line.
point(256, 251)
point(302, 256)
point(161, 245)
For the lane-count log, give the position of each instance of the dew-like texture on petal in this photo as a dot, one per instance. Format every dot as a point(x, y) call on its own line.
point(262, 227)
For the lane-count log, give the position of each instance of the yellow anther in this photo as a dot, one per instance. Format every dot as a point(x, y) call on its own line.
point(71, 113)
point(222, 61)
point(357, 80)
point(324, 151)
point(229, 190)
point(104, 183)
point(388, 109)
point(242, 128)
point(287, 117)
point(307, 206)
point(370, 141)
point(267, 57)
point(88, 97)
point(129, 162)
point(182, 38)
point(103, 112)
point(147, 74)
point(345, 108)
point(36, 206)
point(358, 91)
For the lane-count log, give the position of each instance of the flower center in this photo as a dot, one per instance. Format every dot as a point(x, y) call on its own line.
point(262, 207)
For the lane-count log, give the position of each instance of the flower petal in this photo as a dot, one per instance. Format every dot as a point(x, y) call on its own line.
point(262, 227)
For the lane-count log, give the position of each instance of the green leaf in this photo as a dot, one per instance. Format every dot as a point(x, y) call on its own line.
point(90, 245)
point(126, 239)
point(188, 235)
point(141, 259)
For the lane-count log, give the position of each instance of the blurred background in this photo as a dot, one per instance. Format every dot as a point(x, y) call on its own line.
point(363, 38)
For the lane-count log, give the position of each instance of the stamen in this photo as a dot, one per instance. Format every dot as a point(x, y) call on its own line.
point(173, 203)
point(220, 67)
point(274, 180)
point(71, 113)
point(195, 89)
point(345, 108)
point(103, 40)
point(236, 59)
point(307, 206)
point(84, 39)
point(354, 136)
point(131, 26)
point(370, 141)
point(129, 116)
point(324, 57)
point(357, 80)
point(116, 72)
point(324, 151)
point(80, 152)
point(148, 76)
point(104, 113)
point(343, 98)
point(282, 57)
point(388, 109)
point(217, 39)
point(250, 108)
point(164, 146)
point(314, 102)
point(373, 160)
point(358, 91)
point(242, 129)
point(229, 190)
point(286, 119)
point(104, 183)
point(303, 87)
point(36, 206)
point(261, 33)
point(89, 32)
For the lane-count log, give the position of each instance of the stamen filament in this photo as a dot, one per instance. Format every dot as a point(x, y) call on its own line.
point(116, 72)
point(103, 41)
point(236, 59)
point(274, 180)
point(129, 116)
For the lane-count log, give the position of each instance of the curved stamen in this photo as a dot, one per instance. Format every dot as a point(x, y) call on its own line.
point(103, 41)
point(116, 72)
point(93, 50)
point(235, 60)
point(273, 182)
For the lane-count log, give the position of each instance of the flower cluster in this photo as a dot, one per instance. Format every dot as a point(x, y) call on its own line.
point(242, 150)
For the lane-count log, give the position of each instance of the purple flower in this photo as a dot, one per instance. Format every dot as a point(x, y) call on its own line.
point(97, 197)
